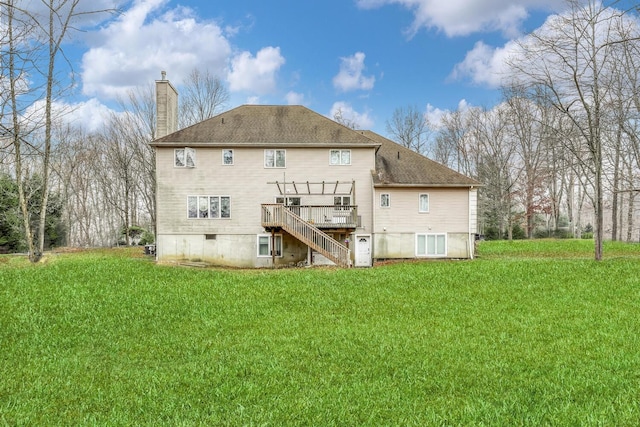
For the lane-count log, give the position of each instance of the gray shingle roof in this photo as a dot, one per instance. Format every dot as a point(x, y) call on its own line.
point(264, 125)
point(397, 165)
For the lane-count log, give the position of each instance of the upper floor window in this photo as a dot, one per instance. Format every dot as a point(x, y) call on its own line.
point(341, 202)
point(340, 157)
point(385, 200)
point(275, 158)
point(227, 157)
point(424, 203)
point(213, 207)
point(184, 158)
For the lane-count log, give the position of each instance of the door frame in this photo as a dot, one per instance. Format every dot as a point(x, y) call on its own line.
point(358, 261)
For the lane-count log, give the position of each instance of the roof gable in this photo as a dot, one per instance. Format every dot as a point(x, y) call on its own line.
point(266, 125)
point(397, 165)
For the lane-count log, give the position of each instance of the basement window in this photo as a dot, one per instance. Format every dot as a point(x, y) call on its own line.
point(264, 245)
point(431, 245)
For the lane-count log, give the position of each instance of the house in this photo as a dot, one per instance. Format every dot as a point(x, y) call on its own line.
point(264, 185)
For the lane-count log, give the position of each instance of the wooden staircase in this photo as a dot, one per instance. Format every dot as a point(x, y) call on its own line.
point(278, 216)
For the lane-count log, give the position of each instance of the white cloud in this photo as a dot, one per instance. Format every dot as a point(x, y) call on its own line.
point(132, 50)
point(90, 115)
point(350, 75)
point(464, 17)
point(485, 65)
point(294, 98)
point(360, 120)
point(435, 115)
point(256, 74)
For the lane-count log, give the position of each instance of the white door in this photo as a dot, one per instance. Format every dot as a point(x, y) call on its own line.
point(363, 251)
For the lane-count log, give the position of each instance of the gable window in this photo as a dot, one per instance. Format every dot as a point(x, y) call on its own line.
point(275, 158)
point(424, 203)
point(341, 202)
point(385, 200)
point(184, 158)
point(340, 157)
point(227, 157)
point(431, 244)
point(213, 207)
point(264, 245)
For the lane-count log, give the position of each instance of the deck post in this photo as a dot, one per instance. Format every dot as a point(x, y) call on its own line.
point(273, 248)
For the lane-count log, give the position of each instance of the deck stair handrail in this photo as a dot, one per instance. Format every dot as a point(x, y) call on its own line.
point(276, 215)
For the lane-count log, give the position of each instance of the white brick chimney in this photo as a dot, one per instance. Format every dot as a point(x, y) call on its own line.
point(166, 107)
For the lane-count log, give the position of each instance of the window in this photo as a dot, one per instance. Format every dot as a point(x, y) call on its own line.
point(184, 158)
point(340, 157)
point(424, 203)
point(213, 207)
point(431, 244)
point(341, 202)
point(227, 157)
point(385, 200)
point(275, 158)
point(264, 245)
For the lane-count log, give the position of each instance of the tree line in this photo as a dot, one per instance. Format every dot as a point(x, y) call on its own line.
point(564, 139)
point(561, 147)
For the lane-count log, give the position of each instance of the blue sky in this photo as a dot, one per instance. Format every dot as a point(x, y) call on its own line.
point(366, 57)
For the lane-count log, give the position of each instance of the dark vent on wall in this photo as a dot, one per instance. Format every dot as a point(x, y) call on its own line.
point(210, 236)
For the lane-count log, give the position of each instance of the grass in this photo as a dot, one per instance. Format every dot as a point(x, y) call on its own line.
point(530, 333)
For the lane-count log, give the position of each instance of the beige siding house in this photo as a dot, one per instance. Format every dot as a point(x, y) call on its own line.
point(259, 186)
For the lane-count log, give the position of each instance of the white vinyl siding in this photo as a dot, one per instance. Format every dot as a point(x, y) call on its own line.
point(431, 245)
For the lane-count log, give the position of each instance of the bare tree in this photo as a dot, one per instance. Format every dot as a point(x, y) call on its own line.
point(526, 124)
point(34, 43)
point(409, 126)
point(203, 96)
point(452, 143)
point(570, 60)
point(341, 118)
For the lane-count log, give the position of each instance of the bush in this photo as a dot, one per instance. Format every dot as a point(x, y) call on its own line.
point(518, 232)
point(559, 233)
point(147, 238)
point(541, 233)
point(492, 233)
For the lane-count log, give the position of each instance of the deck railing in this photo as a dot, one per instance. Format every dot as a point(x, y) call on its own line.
point(326, 216)
point(305, 229)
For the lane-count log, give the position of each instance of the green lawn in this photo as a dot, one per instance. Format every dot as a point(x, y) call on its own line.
point(530, 333)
